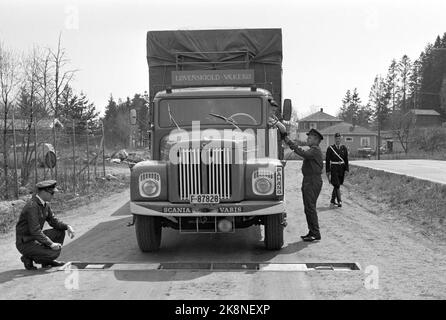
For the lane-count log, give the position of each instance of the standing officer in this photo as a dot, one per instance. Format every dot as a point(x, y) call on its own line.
point(312, 181)
point(35, 245)
point(336, 164)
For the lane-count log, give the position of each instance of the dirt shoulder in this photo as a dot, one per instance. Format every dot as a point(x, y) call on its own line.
point(116, 180)
point(391, 238)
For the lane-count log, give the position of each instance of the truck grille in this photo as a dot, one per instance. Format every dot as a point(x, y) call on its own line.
point(216, 178)
point(219, 172)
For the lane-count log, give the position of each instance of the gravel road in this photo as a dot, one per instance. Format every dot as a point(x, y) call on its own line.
point(403, 263)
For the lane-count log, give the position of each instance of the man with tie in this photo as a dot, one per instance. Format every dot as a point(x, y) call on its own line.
point(336, 165)
point(35, 245)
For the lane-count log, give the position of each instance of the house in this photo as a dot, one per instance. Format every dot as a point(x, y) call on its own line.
point(319, 120)
point(354, 137)
point(425, 118)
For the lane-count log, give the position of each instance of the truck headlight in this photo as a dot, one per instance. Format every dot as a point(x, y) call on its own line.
point(263, 182)
point(150, 184)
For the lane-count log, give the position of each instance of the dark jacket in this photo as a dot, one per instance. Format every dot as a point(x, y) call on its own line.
point(313, 163)
point(332, 157)
point(31, 221)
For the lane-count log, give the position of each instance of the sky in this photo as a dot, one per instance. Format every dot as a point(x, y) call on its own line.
point(328, 46)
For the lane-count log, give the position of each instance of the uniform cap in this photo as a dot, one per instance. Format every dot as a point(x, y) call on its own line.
point(46, 184)
point(316, 133)
point(337, 135)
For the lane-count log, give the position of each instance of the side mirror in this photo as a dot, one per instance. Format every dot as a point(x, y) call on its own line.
point(132, 117)
point(287, 108)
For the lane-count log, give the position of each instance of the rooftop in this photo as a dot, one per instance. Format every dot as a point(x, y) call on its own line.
point(320, 116)
point(347, 129)
point(22, 124)
point(424, 112)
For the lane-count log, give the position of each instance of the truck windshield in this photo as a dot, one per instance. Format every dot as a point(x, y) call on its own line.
point(241, 111)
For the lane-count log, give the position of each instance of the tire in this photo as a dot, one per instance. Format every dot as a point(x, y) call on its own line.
point(148, 233)
point(273, 232)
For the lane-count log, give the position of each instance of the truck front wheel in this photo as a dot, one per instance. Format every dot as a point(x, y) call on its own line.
point(148, 233)
point(274, 231)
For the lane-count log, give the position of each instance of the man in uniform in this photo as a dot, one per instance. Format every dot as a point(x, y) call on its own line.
point(312, 181)
point(336, 165)
point(35, 245)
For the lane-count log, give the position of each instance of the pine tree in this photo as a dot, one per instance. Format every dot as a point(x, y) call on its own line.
point(77, 110)
point(415, 80)
point(379, 102)
point(392, 85)
point(344, 112)
point(404, 73)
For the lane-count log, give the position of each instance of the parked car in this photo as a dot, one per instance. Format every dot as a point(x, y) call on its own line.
point(366, 152)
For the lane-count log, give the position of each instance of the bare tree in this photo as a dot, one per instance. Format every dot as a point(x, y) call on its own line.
point(31, 108)
point(403, 126)
point(46, 81)
point(62, 79)
point(8, 86)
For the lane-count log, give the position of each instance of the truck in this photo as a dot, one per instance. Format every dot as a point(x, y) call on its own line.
point(217, 158)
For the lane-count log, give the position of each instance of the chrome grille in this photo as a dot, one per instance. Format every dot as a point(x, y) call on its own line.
point(218, 170)
point(189, 172)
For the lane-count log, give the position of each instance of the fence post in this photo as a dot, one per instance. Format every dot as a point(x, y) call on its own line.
point(44, 163)
point(55, 150)
point(16, 186)
point(103, 148)
point(35, 151)
point(74, 158)
point(88, 160)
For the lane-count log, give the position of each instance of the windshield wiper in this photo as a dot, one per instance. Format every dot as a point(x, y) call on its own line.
point(171, 118)
point(228, 120)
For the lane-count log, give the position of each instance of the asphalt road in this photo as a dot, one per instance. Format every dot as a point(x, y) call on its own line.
point(396, 262)
point(431, 170)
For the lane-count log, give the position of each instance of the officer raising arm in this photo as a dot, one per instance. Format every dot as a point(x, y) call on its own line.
point(312, 180)
point(35, 245)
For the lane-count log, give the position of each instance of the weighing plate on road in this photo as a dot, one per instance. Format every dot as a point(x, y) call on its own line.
point(212, 266)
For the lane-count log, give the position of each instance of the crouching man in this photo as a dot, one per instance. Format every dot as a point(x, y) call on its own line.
point(35, 245)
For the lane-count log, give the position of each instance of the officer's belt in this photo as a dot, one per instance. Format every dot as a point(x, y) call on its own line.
point(334, 162)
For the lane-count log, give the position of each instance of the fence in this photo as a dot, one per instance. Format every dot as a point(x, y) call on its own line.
point(73, 157)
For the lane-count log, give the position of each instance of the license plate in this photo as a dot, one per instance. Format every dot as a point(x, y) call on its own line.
point(204, 198)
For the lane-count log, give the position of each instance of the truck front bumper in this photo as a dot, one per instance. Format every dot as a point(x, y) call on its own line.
point(239, 209)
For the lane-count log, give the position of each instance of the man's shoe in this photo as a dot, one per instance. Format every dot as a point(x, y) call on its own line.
point(53, 263)
point(333, 205)
point(311, 238)
point(305, 236)
point(28, 263)
point(340, 204)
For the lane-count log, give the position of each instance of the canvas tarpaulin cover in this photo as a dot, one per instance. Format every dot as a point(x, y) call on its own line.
point(257, 49)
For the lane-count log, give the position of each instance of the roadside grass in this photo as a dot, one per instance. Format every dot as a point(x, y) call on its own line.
point(63, 201)
point(422, 203)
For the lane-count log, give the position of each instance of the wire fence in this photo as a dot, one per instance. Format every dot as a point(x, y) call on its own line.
point(74, 157)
